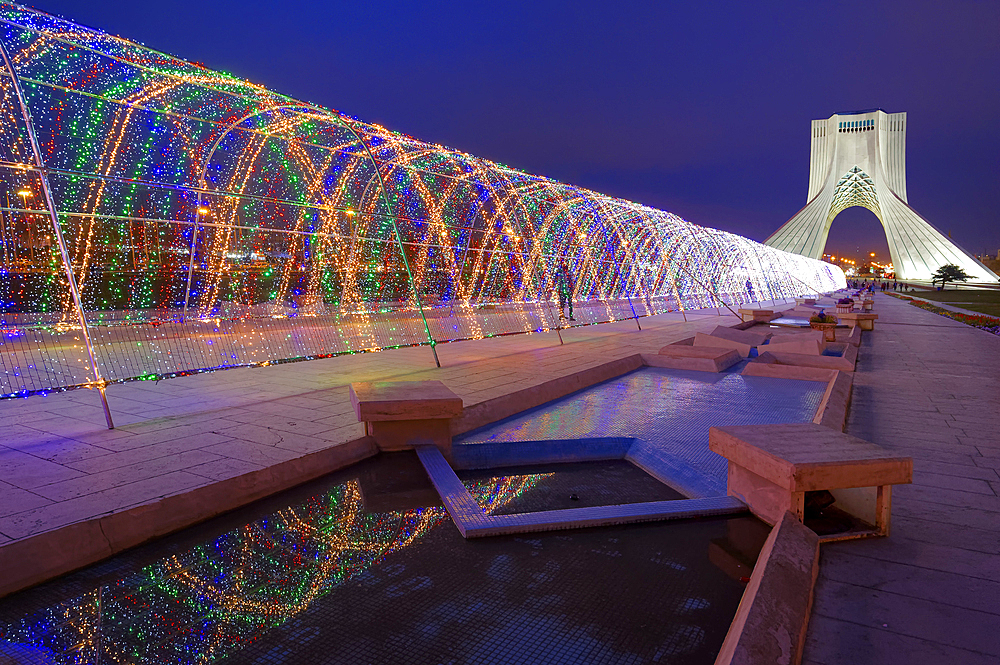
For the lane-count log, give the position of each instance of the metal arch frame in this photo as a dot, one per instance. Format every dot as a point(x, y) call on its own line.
point(57, 231)
point(203, 188)
point(604, 222)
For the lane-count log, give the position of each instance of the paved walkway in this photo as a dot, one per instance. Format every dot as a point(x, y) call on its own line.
point(930, 593)
point(59, 464)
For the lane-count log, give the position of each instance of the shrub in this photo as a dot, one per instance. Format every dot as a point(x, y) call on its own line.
point(823, 318)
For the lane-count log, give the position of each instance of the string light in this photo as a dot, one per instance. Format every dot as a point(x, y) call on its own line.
point(212, 223)
point(212, 600)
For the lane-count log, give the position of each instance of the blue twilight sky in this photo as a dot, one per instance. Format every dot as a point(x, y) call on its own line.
point(699, 108)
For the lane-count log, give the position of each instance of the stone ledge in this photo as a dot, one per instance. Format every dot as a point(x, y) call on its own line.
point(854, 339)
point(757, 315)
point(701, 339)
point(844, 363)
point(863, 320)
point(808, 347)
point(771, 620)
point(796, 372)
point(748, 336)
point(700, 358)
point(505, 406)
point(804, 457)
point(42, 557)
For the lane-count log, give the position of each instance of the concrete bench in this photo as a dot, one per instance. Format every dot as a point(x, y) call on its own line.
point(401, 415)
point(863, 320)
point(761, 315)
point(771, 467)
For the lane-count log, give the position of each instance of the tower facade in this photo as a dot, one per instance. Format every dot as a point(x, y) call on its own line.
point(859, 159)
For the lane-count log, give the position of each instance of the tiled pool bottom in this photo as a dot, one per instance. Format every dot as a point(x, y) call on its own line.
point(574, 485)
point(365, 567)
point(669, 411)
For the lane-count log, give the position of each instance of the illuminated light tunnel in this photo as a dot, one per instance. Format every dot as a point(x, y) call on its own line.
point(161, 219)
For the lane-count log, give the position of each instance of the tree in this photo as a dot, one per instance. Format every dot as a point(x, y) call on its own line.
point(949, 272)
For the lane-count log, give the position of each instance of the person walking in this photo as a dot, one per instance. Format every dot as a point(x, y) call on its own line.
point(749, 286)
point(564, 286)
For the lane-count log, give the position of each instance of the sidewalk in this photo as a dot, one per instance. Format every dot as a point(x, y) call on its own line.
point(929, 387)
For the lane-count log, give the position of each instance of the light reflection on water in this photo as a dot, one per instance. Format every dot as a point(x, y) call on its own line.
point(215, 598)
point(669, 410)
point(661, 405)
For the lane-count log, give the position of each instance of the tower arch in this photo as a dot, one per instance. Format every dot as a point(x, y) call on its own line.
point(859, 159)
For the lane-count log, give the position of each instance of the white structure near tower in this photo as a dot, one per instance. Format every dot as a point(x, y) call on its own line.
point(859, 159)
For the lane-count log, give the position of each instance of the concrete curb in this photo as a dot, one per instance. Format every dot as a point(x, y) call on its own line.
point(42, 557)
point(832, 410)
point(771, 621)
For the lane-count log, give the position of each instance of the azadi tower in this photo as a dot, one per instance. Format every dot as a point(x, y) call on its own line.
point(859, 159)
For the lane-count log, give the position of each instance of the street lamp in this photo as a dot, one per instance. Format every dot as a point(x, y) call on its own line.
point(26, 194)
point(200, 211)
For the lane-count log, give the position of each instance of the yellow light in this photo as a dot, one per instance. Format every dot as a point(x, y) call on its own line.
point(873, 253)
point(350, 213)
point(203, 210)
point(25, 193)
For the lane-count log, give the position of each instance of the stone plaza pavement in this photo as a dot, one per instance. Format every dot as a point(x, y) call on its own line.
point(60, 465)
point(928, 387)
point(925, 385)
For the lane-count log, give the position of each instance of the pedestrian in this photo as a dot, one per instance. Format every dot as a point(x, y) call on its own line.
point(564, 286)
point(749, 286)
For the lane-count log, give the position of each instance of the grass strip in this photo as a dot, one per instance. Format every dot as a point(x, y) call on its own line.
point(981, 321)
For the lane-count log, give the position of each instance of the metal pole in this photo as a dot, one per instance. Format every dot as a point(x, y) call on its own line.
point(399, 240)
point(57, 230)
point(634, 315)
point(713, 290)
point(194, 246)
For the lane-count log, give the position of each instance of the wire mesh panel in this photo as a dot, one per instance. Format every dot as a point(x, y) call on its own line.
point(159, 219)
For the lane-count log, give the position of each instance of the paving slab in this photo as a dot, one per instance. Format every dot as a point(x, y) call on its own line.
point(928, 593)
point(62, 467)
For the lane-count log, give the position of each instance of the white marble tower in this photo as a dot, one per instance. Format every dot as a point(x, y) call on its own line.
point(859, 159)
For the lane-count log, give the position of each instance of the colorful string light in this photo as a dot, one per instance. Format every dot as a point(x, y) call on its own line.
point(214, 599)
point(213, 223)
